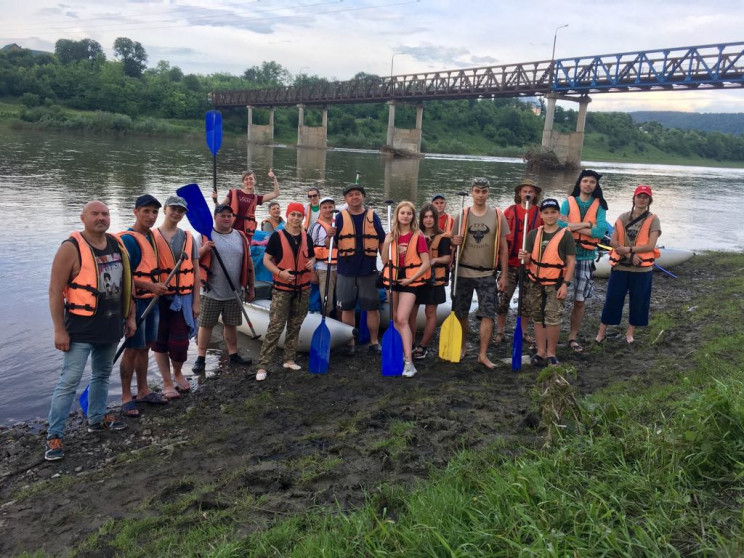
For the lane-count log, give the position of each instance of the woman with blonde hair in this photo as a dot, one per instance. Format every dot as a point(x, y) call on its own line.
point(408, 273)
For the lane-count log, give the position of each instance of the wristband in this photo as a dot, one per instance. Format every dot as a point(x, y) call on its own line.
point(567, 283)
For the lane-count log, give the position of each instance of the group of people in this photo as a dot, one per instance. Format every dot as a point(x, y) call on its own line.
point(141, 283)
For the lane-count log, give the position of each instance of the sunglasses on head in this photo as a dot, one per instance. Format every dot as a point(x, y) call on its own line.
point(481, 182)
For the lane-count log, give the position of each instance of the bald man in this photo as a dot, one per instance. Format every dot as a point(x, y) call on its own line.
point(90, 301)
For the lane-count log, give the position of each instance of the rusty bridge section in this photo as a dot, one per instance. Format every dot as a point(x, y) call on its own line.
point(707, 66)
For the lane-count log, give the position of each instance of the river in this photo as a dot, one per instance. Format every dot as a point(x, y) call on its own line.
point(47, 177)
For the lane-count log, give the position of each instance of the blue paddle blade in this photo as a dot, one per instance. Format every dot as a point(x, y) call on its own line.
point(214, 130)
point(198, 214)
point(320, 349)
point(517, 346)
point(84, 400)
point(392, 352)
point(363, 328)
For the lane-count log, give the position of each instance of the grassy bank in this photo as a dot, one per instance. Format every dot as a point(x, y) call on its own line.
point(647, 467)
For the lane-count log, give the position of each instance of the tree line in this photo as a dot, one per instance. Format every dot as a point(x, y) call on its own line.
point(125, 91)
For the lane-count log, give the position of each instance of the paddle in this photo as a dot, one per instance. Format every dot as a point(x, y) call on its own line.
point(201, 219)
point(517, 342)
point(214, 140)
point(320, 345)
point(364, 336)
point(450, 336)
point(657, 266)
point(392, 342)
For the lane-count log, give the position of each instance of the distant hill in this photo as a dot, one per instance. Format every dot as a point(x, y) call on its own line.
point(727, 123)
point(13, 47)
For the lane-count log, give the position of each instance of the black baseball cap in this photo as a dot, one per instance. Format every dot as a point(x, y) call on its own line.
point(550, 203)
point(146, 199)
point(222, 207)
point(352, 187)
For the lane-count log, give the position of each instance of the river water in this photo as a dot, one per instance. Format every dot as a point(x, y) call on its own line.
point(46, 178)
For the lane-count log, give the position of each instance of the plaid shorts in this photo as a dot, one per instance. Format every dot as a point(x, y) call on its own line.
point(583, 283)
point(211, 309)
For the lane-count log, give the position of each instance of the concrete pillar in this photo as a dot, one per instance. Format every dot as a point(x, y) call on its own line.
point(581, 120)
point(250, 122)
point(300, 123)
point(271, 124)
point(391, 123)
point(419, 117)
point(549, 116)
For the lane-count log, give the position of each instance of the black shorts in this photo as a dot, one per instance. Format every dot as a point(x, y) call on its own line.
point(430, 295)
point(402, 289)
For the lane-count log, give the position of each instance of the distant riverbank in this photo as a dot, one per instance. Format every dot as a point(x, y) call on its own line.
point(56, 117)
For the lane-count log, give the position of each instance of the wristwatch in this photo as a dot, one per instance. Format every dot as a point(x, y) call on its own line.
point(567, 283)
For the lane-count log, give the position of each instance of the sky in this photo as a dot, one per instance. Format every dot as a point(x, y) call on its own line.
point(335, 39)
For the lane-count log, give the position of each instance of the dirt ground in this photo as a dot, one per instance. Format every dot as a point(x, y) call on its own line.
point(297, 439)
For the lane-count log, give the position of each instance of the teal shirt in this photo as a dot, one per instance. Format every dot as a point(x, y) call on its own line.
point(598, 230)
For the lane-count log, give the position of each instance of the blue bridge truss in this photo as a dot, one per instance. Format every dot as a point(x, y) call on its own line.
point(683, 68)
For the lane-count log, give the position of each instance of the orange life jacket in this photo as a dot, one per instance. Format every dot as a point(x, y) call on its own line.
point(205, 263)
point(308, 215)
point(574, 216)
point(440, 271)
point(274, 223)
point(496, 240)
point(547, 268)
point(148, 265)
point(244, 223)
point(297, 264)
point(321, 252)
point(347, 235)
point(446, 222)
point(183, 280)
point(647, 258)
point(82, 291)
point(410, 265)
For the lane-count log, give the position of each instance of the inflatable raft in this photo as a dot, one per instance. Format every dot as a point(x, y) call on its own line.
point(669, 258)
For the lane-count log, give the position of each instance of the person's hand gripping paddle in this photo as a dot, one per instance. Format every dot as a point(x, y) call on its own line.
point(213, 121)
point(320, 345)
point(392, 342)
point(517, 342)
point(450, 336)
point(201, 219)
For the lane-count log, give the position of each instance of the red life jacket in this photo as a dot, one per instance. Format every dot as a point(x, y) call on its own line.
point(244, 222)
point(514, 215)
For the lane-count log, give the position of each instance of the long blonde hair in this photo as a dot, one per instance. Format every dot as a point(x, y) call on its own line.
point(395, 227)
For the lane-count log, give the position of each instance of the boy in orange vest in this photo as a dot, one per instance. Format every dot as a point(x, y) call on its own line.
point(550, 257)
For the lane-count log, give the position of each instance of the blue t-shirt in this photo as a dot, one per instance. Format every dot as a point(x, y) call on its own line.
point(135, 254)
point(597, 231)
point(359, 265)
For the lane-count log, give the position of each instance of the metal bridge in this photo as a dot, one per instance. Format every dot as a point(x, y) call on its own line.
point(706, 66)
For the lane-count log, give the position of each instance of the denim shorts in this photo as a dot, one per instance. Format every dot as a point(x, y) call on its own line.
point(147, 332)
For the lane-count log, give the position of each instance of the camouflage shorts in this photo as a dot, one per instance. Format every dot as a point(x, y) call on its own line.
point(540, 305)
point(487, 290)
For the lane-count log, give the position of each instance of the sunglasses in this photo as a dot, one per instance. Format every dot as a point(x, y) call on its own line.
point(311, 196)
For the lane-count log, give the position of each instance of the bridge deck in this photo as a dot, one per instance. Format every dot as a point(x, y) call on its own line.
point(706, 66)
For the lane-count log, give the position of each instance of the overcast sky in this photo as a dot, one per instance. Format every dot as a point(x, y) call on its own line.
point(336, 39)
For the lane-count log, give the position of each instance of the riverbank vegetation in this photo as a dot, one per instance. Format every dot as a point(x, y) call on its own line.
point(77, 88)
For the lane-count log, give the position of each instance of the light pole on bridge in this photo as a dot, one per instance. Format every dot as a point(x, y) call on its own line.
point(552, 56)
point(392, 61)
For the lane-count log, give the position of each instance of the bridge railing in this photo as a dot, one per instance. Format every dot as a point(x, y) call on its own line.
point(720, 65)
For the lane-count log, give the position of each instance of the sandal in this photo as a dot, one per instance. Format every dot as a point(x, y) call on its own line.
point(171, 395)
point(153, 398)
point(536, 360)
point(575, 346)
point(498, 339)
point(552, 361)
point(130, 410)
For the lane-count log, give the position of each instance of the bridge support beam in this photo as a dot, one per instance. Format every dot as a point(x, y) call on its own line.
point(260, 133)
point(567, 147)
point(312, 136)
point(400, 140)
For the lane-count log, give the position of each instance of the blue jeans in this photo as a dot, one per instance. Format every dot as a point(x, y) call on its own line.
point(73, 365)
point(635, 284)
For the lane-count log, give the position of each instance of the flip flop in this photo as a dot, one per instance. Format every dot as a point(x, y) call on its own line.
point(292, 366)
point(575, 346)
point(498, 339)
point(172, 395)
point(153, 398)
point(130, 410)
point(182, 390)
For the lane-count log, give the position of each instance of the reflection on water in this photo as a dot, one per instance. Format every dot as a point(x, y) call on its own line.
point(46, 178)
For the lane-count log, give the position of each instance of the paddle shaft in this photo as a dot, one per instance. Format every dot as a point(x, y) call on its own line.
point(153, 301)
point(232, 286)
point(214, 173)
point(657, 266)
point(328, 278)
point(459, 248)
point(524, 246)
point(390, 264)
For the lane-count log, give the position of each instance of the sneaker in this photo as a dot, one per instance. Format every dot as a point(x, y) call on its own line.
point(199, 365)
point(54, 450)
point(421, 352)
point(109, 422)
point(350, 350)
point(375, 349)
point(409, 370)
point(235, 358)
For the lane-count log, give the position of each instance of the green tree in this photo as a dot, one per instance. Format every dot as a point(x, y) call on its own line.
point(268, 74)
point(68, 51)
point(132, 54)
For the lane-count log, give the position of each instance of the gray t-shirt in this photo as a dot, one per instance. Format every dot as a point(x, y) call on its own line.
point(230, 247)
point(478, 245)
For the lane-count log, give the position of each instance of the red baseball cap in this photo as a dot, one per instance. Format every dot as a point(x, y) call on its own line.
point(643, 189)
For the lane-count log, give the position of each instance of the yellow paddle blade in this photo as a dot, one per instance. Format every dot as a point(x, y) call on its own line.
point(450, 339)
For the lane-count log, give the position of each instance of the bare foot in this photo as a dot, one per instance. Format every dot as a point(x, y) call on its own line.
point(485, 362)
point(292, 365)
point(260, 375)
point(629, 339)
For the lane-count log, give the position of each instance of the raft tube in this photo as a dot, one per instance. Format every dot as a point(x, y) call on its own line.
point(669, 258)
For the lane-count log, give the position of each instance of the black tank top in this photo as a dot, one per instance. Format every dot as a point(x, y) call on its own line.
point(106, 325)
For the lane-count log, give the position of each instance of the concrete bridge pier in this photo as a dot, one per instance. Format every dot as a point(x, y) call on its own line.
point(400, 139)
point(567, 147)
point(260, 133)
point(312, 136)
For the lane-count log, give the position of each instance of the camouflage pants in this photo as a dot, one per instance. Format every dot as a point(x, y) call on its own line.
point(287, 309)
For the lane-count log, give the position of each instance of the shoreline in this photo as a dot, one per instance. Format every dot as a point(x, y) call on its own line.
point(250, 455)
